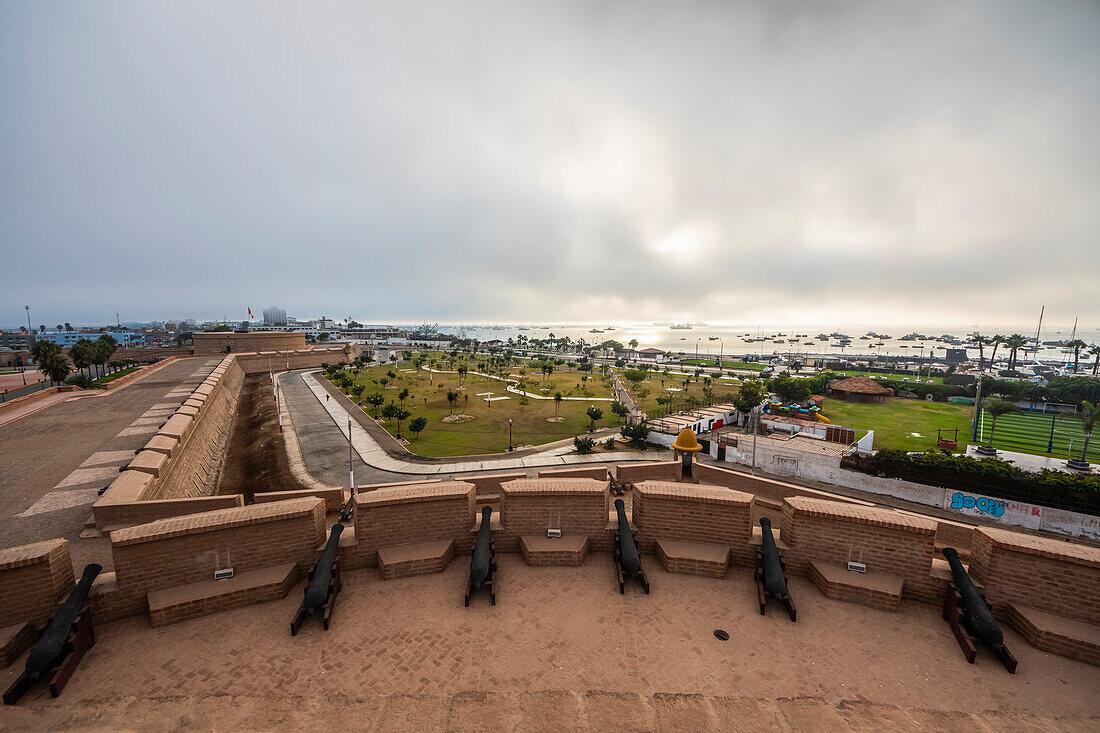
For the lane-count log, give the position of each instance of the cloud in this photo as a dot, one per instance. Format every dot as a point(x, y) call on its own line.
point(898, 162)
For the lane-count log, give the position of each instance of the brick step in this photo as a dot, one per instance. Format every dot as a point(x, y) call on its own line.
point(403, 561)
point(14, 640)
point(540, 550)
point(693, 558)
point(1056, 634)
point(183, 602)
point(878, 590)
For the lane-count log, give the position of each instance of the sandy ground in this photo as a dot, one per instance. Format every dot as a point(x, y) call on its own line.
point(561, 649)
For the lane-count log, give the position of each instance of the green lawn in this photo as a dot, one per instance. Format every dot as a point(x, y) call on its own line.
point(116, 375)
point(896, 376)
point(645, 396)
point(488, 432)
point(1030, 432)
point(895, 422)
point(754, 366)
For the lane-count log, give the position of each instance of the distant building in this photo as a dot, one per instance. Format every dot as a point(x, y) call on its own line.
point(650, 354)
point(66, 339)
point(859, 389)
point(274, 316)
point(16, 340)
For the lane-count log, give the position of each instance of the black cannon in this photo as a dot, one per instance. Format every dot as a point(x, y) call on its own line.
point(483, 565)
point(616, 488)
point(627, 560)
point(770, 576)
point(349, 508)
point(67, 635)
point(968, 615)
point(323, 583)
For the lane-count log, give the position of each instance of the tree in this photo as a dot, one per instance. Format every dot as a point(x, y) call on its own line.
point(58, 328)
point(384, 381)
point(105, 346)
point(1089, 413)
point(633, 343)
point(403, 395)
point(996, 407)
point(594, 413)
point(357, 390)
point(399, 415)
point(375, 400)
point(452, 398)
point(790, 389)
point(982, 342)
point(81, 353)
point(996, 341)
point(557, 402)
point(636, 434)
point(620, 409)
point(634, 376)
point(1015, 342)
point(1076, 345)
point(749, 396)
point(462, 374)
point(183, 337)
point(418, 424)
point(1095, 351)
point(68, 327)
point(51, 360)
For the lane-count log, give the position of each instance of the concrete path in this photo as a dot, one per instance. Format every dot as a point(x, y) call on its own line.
point(510, 386)
point(372, 454)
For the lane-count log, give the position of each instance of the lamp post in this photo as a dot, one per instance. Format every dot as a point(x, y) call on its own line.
point(509, 434)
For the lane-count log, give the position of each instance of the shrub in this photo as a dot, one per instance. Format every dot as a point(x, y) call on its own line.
point(83, 381)
point(583, 445)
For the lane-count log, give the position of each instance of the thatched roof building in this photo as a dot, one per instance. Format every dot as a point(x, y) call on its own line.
point(859, 389)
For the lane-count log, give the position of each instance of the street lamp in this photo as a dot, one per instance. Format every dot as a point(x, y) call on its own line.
point(509, 434)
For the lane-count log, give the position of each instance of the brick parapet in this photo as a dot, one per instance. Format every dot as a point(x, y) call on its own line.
point(693, 513)
point(576, 506)
point(630, 473)
point(403, 515)
point(34, 578)
point(835, 532)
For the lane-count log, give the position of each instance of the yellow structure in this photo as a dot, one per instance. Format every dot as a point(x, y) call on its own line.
point(686, 442)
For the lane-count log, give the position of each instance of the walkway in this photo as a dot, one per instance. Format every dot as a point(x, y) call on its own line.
point(557, 455)
point(511, 387)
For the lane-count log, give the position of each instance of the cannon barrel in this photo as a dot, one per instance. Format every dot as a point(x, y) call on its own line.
point(47, 652)
point(345, 513)
point(774, 582)
point(627, 549)
point(978, 615)
point(317, 589)
point(479, 561)
point(616, 487)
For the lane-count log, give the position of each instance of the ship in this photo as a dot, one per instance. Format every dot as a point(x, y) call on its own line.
point(680, 327)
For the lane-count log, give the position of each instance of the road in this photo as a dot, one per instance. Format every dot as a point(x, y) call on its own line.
point(54, 462)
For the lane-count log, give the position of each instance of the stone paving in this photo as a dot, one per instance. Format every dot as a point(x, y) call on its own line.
point(561, 648)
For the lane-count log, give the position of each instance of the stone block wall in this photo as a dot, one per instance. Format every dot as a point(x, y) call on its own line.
point(194, 469)
point(188, 549)
point(333, 497)
point(1058, 577)
point(488, 487)
point(261, 362)
point(576, 506)
point(599, 473)
point(632, 473)
point(884, 540)
point(33, 580)
point(411, 514)
point(713, 515)
point(217, 343)
point(768, 489)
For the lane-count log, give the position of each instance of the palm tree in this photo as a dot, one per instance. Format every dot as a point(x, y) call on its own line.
point(452, 398)
point(997, 407)
point(1015, 342)
point(1095, 351)
point(982, 342)
point(1089, 413)
point(557, 401)
point(1076, 345)
point(633, 343)
point(996, 341)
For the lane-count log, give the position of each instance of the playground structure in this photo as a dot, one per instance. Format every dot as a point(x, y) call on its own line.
point(947, 443)
point(796, 410)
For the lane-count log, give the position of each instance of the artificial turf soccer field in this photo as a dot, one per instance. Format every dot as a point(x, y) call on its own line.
point(1030, 432)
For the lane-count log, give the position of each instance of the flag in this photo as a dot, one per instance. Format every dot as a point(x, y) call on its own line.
point(250, 313)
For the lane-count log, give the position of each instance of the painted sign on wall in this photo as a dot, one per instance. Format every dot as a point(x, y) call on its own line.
point(988, 507)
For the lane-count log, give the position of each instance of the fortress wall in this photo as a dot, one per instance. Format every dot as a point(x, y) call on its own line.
point(631, 473)
point(411, 514)
point(576, 506)
point(664, 510)
point(33, 580)
point(884, 540)
point(1058, 577)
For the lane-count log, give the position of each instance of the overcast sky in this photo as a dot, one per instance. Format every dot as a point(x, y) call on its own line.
point(919, 162)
